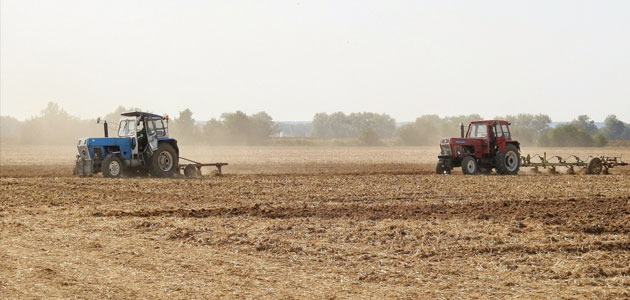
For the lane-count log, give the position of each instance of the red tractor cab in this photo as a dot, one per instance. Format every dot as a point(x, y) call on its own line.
point(486, 145)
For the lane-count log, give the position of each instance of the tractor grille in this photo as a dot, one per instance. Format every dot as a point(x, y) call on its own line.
point(445, 149)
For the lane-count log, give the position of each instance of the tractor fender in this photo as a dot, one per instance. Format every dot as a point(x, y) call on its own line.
point(116, 153)
point(171, 141)
point(515, 143)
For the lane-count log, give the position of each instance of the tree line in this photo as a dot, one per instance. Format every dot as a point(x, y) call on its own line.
point(529, 129)
point(55, 126)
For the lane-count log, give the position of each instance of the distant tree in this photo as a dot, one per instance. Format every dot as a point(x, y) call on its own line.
point(424, 131)
point(54, 126)
point(184, 127)
point(250, 130)
point(340, 125)
point(450, 125)
point(214, 132)
point(615, 129)
point(323, 127)
point(382, 124)
point(408, 135)
point(369, 137)
point(585, 122)
point(429, 129)
point(9, 130)
point(236, 126)
point(527, 128)
point(599, 140)
point(571, 135)
point(261, 127)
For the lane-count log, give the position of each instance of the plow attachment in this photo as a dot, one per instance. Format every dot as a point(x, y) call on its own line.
point(193, 169)
point(593, 164)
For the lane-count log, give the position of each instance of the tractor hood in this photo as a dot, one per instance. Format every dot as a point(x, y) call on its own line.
point(97, 148)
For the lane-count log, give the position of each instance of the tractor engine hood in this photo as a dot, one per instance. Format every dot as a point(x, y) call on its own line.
point(97, 148)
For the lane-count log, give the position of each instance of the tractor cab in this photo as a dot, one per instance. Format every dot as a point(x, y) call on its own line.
point(485, 145)
point(493, 134)
point(144, 129)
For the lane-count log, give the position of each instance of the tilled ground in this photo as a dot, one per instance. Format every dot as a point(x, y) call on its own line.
point(388, 234)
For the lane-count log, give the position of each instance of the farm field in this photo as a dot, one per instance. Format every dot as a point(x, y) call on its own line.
point(17, 161)
point(312, 223)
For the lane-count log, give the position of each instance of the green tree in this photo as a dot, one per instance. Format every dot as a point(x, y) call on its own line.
point(9, 130)
point(184, 127)
point(570, 135)
point(527, 128)
point(214, 132)
point(54, 126)
point(585, 122)
point(247, 130)
point(369, 137)
point(615, 129)
point(340, 125)
point(429, 129)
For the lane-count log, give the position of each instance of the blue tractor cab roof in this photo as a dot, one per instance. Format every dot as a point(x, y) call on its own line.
point(141, 114)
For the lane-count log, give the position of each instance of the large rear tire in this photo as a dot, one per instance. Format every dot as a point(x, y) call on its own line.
point(112, 166)
point(470, 166)
point(509, 161)
point(164, 161)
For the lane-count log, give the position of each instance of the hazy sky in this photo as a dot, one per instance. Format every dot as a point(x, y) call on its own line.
point(295, 58)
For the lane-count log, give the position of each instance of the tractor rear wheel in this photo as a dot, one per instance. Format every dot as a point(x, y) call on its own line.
point(164, 161)
point(112, 166)
point(470, 166)
point(509, 161)
point(594, 166)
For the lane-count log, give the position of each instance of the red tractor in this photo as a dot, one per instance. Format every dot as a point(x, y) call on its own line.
point(486, 145)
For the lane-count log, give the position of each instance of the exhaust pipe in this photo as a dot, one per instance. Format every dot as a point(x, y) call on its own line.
point(461, 129)
point(107, 132)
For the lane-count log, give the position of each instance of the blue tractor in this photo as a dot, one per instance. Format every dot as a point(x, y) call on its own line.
point(142, 147)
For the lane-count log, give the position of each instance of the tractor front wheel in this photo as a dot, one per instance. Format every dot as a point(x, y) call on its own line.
point(164, 161)
point(469, 165)
point(440, 168)
point(509, 161)
point(112, 166)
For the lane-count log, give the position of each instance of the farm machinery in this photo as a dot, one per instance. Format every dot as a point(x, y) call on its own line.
point(142, 147)
point(488, 145)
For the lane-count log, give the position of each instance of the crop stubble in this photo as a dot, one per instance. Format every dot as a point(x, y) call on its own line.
point(355, 234)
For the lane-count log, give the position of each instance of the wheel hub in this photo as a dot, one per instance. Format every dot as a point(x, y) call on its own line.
point(471, 166)
point(511, 161)
point(114, 168)
point(165, 161)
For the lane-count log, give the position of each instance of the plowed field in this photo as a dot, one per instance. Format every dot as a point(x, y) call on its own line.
point(371, 225)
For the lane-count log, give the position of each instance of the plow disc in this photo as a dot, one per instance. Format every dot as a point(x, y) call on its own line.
point(193, 168)
point(593, 164)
